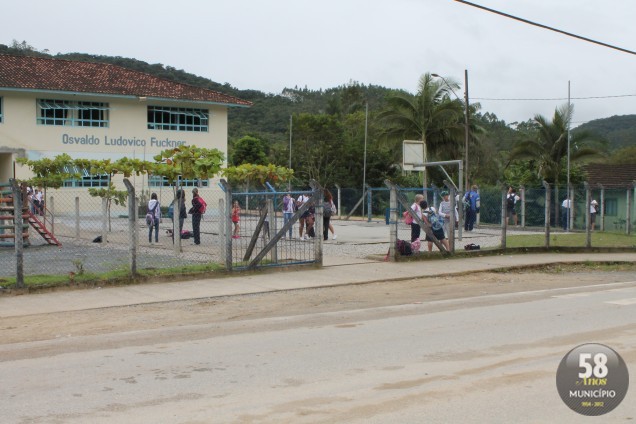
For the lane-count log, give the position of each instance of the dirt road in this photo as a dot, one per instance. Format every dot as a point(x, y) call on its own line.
point(296, 302)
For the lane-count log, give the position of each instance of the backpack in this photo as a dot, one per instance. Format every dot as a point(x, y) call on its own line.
point(327, 211)
point(466, 201)
point(511, 201)
point(150, 216)
point(404, 248)
point(437, 222)
point(202, 205)
point(408, 218)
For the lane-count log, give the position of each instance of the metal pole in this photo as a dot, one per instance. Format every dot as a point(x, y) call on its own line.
point(364, 166)
point(466, 116)
point(290, 148)
point(588, 224)
point(569, 119)
point(547, 214)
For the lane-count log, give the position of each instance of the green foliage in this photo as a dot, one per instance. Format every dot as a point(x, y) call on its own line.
point(188, 161)
point(619, 131)
point(248, 150)
point(109, 193)
point(547, 148)
point(258, 173)
point(48, 172)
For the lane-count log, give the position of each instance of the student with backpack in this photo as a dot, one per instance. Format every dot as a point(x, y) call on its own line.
point(328, 210)
point(436, 222)
point(415, 227)
point(471, 205)
point(153, 217)
point(197, 210)
point(511, 200)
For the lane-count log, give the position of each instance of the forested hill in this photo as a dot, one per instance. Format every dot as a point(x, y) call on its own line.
point(269, 118)
point(620, 131)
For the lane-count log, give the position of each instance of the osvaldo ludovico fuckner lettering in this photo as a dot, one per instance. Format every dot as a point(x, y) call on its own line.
point(120, 141)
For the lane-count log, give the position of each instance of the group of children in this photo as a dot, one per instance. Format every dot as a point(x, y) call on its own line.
point(430, 216)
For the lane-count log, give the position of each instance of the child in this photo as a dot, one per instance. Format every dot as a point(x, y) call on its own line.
point(236, 212)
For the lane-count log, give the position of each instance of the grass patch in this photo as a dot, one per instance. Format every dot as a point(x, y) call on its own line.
point(572, 240)
point(110, 278)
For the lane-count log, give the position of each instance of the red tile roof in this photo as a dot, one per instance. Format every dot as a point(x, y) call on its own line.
point(35, 73)
point(611, 176)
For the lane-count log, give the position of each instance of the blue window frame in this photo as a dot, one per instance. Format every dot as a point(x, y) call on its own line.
point(86, 179)
point(1, 115)
point(158, 181)
point(72, 113)
point(177, 119)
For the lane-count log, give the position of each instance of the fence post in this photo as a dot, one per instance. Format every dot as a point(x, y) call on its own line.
point(451, 224)
point(504, 216)
point(393, 220)
point(77, 217)
point(104, 220)
point(222, 213)
point(522, 190)
point(132, 226)
point(602, 207)
point(18, 239)
point(369, 198)
point(319, 195)
point(588, 224)
point(52, 211)
point(339, 197)
point(227, 222)
point(547, 214)
point(571, 208)
point(628, 213)
point(271, 213)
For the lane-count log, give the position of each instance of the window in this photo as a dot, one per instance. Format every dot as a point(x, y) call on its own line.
point(158, 181)
point(85, 178)
point(1, 116)
point(72, 113)
point(177, 119)
point(611, 207)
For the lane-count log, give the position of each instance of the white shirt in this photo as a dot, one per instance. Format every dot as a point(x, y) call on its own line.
point(566, 203)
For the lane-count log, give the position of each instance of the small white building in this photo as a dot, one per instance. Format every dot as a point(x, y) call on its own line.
point(95, 111)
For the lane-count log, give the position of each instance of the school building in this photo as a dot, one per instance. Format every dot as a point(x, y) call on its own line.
point(96, 111)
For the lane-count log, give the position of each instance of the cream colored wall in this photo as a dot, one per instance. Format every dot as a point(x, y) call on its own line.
point(127, 119)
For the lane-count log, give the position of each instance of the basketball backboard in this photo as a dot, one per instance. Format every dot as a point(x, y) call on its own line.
point(412, 153)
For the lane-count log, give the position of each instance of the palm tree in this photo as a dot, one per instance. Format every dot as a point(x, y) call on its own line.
point(430, 115)
point(548, 148)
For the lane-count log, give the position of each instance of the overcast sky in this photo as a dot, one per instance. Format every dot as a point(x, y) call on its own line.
point(273, 44)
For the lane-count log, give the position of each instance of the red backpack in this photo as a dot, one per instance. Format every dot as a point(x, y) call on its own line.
point(202, 205)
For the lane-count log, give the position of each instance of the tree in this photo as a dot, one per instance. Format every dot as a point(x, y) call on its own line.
point(249, 150)
point(547, 148)
point(430, 115)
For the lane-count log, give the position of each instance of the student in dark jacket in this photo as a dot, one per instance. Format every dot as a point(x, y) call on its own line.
point(196, 211)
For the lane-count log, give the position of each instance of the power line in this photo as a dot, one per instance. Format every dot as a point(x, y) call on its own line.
point(555, 98)
point(589, 40)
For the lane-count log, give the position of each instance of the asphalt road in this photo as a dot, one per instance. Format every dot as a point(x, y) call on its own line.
point(485, 358)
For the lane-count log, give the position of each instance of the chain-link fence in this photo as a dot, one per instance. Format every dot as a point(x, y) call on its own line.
point(69, 233)
point(96, 237)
